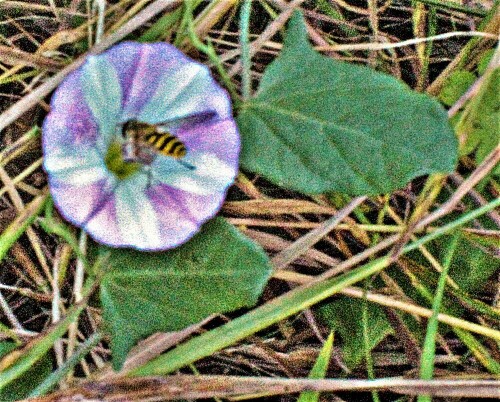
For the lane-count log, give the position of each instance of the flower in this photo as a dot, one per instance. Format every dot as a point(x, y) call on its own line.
point(148, 203)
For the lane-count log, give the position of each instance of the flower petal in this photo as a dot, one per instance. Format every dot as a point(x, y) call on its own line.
point(180, 214)
point(70, 122)
point(78, 203)
point(212, 150)
point(103, 94)
point(187, 91)
point(211, 174)
point(126, 218)
point(219, 138)
point(148, 218)
point(135, 215)
point(76, 168)
point(140, 67)
point(102, 225)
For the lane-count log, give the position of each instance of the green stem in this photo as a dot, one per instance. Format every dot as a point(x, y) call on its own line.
point(454, 7)
point(245, 49)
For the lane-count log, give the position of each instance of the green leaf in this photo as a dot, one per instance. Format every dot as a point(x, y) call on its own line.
point(471, 266)
point(484, 61)
point(217, 271)
point(319, 370)
point(479, 122)
point(345, 316)
point(318, 124)
point(24, 384)
point(455, 86)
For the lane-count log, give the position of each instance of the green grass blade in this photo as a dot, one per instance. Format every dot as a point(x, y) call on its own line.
point(478, 350)
point(162, 27)
point(319, 370)
point(69, 364)
point(366, 342)
point(19, 225)
point(429, 349)
point(37, 348)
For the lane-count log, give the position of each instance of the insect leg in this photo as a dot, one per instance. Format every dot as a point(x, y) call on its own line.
point(186, 165)
point(150, 176)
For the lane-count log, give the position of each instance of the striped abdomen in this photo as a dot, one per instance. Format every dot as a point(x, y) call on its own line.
point(166, 144)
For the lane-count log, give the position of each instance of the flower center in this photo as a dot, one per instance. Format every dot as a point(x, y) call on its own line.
point(117, 164)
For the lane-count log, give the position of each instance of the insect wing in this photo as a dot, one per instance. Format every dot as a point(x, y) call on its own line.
point(190, 120)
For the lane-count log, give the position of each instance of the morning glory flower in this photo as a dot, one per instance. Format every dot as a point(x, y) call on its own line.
point(98, 175)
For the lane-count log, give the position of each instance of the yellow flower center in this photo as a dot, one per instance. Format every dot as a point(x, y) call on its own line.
point(116, 164)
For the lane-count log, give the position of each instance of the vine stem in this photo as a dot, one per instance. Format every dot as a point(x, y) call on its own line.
point(245, 49)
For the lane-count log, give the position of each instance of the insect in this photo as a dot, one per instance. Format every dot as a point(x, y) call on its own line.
point(144, 142)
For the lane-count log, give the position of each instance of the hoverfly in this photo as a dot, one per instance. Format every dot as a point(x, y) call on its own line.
point(143, 142)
